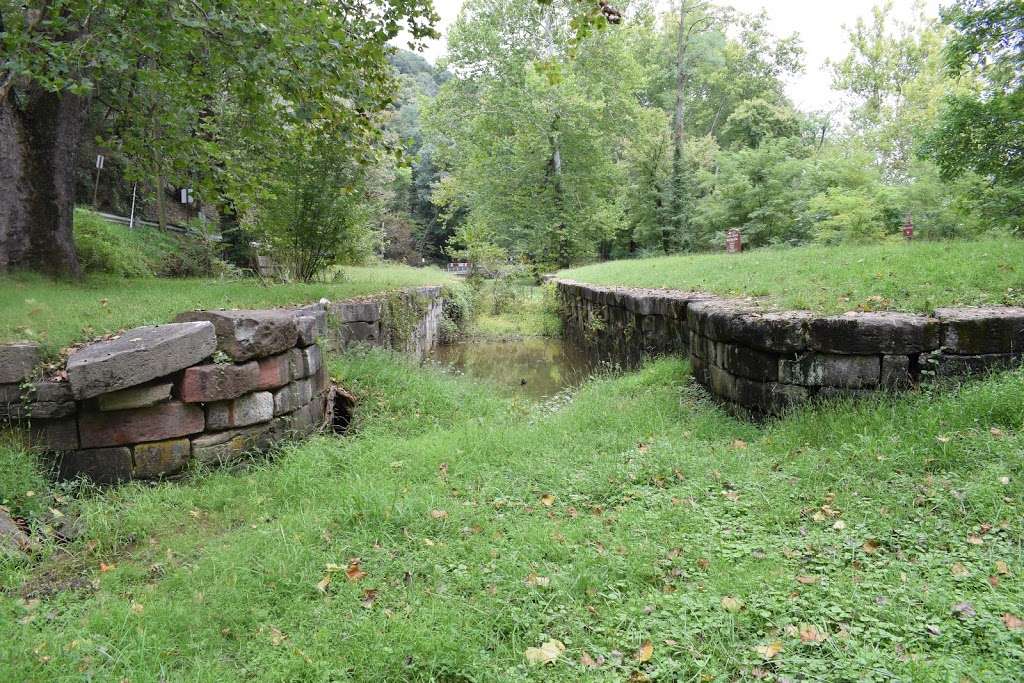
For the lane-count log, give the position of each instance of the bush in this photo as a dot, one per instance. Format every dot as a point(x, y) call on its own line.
point(104, 247)
point(107, 248)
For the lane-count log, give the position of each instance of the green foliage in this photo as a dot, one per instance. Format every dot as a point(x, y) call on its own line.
point(314, 216)
point(919, 276)
point(982, 131)
point(107, 248)
point(111, 249)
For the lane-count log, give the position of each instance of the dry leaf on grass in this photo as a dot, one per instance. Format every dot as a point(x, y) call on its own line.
point(731, 604)
point(547, 500)
point(645, 652)
point(324, 583)
point(810, 634)
point(1013, 622)
point(438, 514)
point(807, 580)
point(1002, 568)
point(547, 653)
point(354, 571)
point(770, 650)
point(537, 581)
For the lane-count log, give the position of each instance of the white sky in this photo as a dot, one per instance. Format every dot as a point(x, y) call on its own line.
point(819, 23)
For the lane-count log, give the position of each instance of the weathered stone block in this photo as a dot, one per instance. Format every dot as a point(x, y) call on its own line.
point(274, 371)
point(874, 333)
point(307, 328)
point(359, 333)
point(218, 382)
point(896, 373)
point(749, 363)
point(54, 435)
point(244, 411)
point(138, 356)
point(309, 418)
point(225, 447)
point(304, 362)
point(41, 400)
point(38, 410)
point(102, 465)
point(742, 324)
point(17, 361)
point(293, 396)
point(321, 381)
point(124, 427)
point(976, 331)
point(821, 370)
point(949, 365)
point(161, 458)
point(764, 398)
point(244, 335)
point(355, 311)
point(318, 312)
point(136, 397)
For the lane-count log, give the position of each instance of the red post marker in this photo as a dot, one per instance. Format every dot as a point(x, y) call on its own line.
point(733, 241)
point(908, 228)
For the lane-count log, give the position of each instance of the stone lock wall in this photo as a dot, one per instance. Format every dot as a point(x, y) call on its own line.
point(206, 388)
point(765, 362)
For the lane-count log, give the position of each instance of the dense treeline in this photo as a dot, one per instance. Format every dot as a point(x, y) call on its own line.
point(555, 131)
point(556, 148)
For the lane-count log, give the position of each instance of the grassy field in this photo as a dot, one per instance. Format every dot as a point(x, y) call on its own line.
point(919, 276)
point(59, 313)
point(650, 534)
point(514, 311)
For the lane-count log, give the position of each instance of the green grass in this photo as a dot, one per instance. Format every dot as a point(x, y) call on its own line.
point(641, 504)
point(58, 313)
point(518, 311)
point(919, 276)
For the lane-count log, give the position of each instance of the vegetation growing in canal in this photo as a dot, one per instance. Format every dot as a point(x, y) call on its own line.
point(639, 525)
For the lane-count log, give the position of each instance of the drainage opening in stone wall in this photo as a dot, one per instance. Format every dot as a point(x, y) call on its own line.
point(342, 407)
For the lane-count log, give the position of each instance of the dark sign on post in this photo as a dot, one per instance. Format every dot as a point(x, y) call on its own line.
point(733, 241)
point(908, 228)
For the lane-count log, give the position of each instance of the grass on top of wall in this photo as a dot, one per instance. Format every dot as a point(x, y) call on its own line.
point(651, 534)
point(57, 313)
point(919, 276)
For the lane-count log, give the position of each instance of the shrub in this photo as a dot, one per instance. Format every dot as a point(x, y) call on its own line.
point(107, 248)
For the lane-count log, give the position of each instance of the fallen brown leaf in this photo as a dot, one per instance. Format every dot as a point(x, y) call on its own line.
point(547, 500)
point(438, 514)
point(1013, 622)
point(354, 571)
point(547, 653)
point(645, 652)
point(369, 597)
point(770, 650)
point(810, 634)
point(1002, 568)
point(807, 580)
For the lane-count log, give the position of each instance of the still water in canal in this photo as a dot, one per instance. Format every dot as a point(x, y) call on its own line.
point(534, 367)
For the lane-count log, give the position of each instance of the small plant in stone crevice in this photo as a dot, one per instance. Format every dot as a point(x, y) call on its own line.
point(461, 301)
point(401, 313)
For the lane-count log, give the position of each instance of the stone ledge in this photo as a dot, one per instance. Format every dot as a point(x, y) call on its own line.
point(767, 361)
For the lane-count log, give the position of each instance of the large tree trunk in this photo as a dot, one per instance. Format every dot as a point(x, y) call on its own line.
point(677, 226)
point(39, 141)
point(562, 250)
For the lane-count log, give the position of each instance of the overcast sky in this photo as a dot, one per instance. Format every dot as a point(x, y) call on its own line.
point(819, 23)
